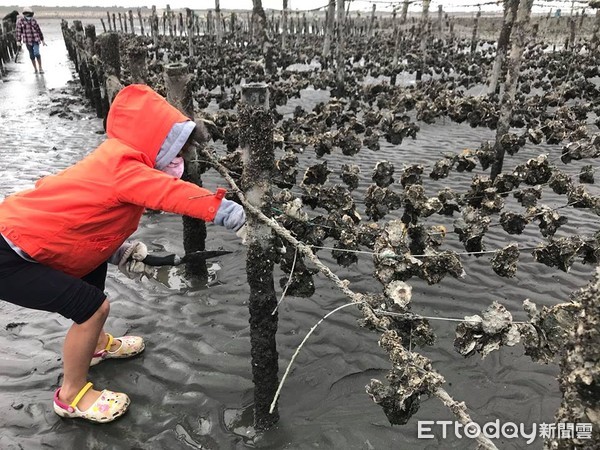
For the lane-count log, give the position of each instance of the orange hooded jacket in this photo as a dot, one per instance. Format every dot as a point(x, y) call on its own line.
point(75, 220)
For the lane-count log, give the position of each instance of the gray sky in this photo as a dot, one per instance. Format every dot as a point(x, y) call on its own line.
point(449, 5)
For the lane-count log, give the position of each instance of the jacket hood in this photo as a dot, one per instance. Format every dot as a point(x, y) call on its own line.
point(146, 122)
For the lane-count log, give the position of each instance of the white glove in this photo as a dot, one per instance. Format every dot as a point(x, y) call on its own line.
point(131, 262)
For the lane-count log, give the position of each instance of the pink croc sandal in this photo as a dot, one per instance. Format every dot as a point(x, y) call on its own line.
point(109, 406)
point(130, 346)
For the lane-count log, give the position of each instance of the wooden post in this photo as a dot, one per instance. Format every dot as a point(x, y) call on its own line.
point(114, 21)
point(594, 40)
point(256, 142)
point(94, 79)
point(131, 22)
point(189, 21)
point(139, 13)
point(328, 34)
point(284, 24)
point(340, 66)
point(109, 24)
point(512, 80)
point(404, 12)
point(474, 34)
point(179, 85)
point(259, 23)
point(573, 29)
point(372, 21)
point(219, 23)
point(441, 21)
point(154, 27)
point(111, 60)
point(103, 24)
point(423, 44)
point(170, 20)
point(121, 23)
point(137, 64)
point(510, 12)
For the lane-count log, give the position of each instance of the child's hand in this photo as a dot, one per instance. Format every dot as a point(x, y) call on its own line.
point(44, 43)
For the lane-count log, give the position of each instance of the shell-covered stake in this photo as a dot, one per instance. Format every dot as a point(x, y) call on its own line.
point(486, 333)
point(504, 262)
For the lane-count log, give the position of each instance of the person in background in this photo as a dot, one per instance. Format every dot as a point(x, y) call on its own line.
point(57, 238)
point(31, 34)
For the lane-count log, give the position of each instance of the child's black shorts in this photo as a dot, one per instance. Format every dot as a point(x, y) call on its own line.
point(37, 286)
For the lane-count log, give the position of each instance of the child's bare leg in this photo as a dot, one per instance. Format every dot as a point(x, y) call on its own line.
point(79, 347)
point(34, 66)
point(39, 61)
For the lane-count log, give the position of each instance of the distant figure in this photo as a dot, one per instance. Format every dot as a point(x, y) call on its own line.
point(11, 17)
point(557, 13)
point(30, 33)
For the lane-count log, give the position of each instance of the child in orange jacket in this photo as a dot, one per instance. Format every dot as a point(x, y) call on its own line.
point(56, 239)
